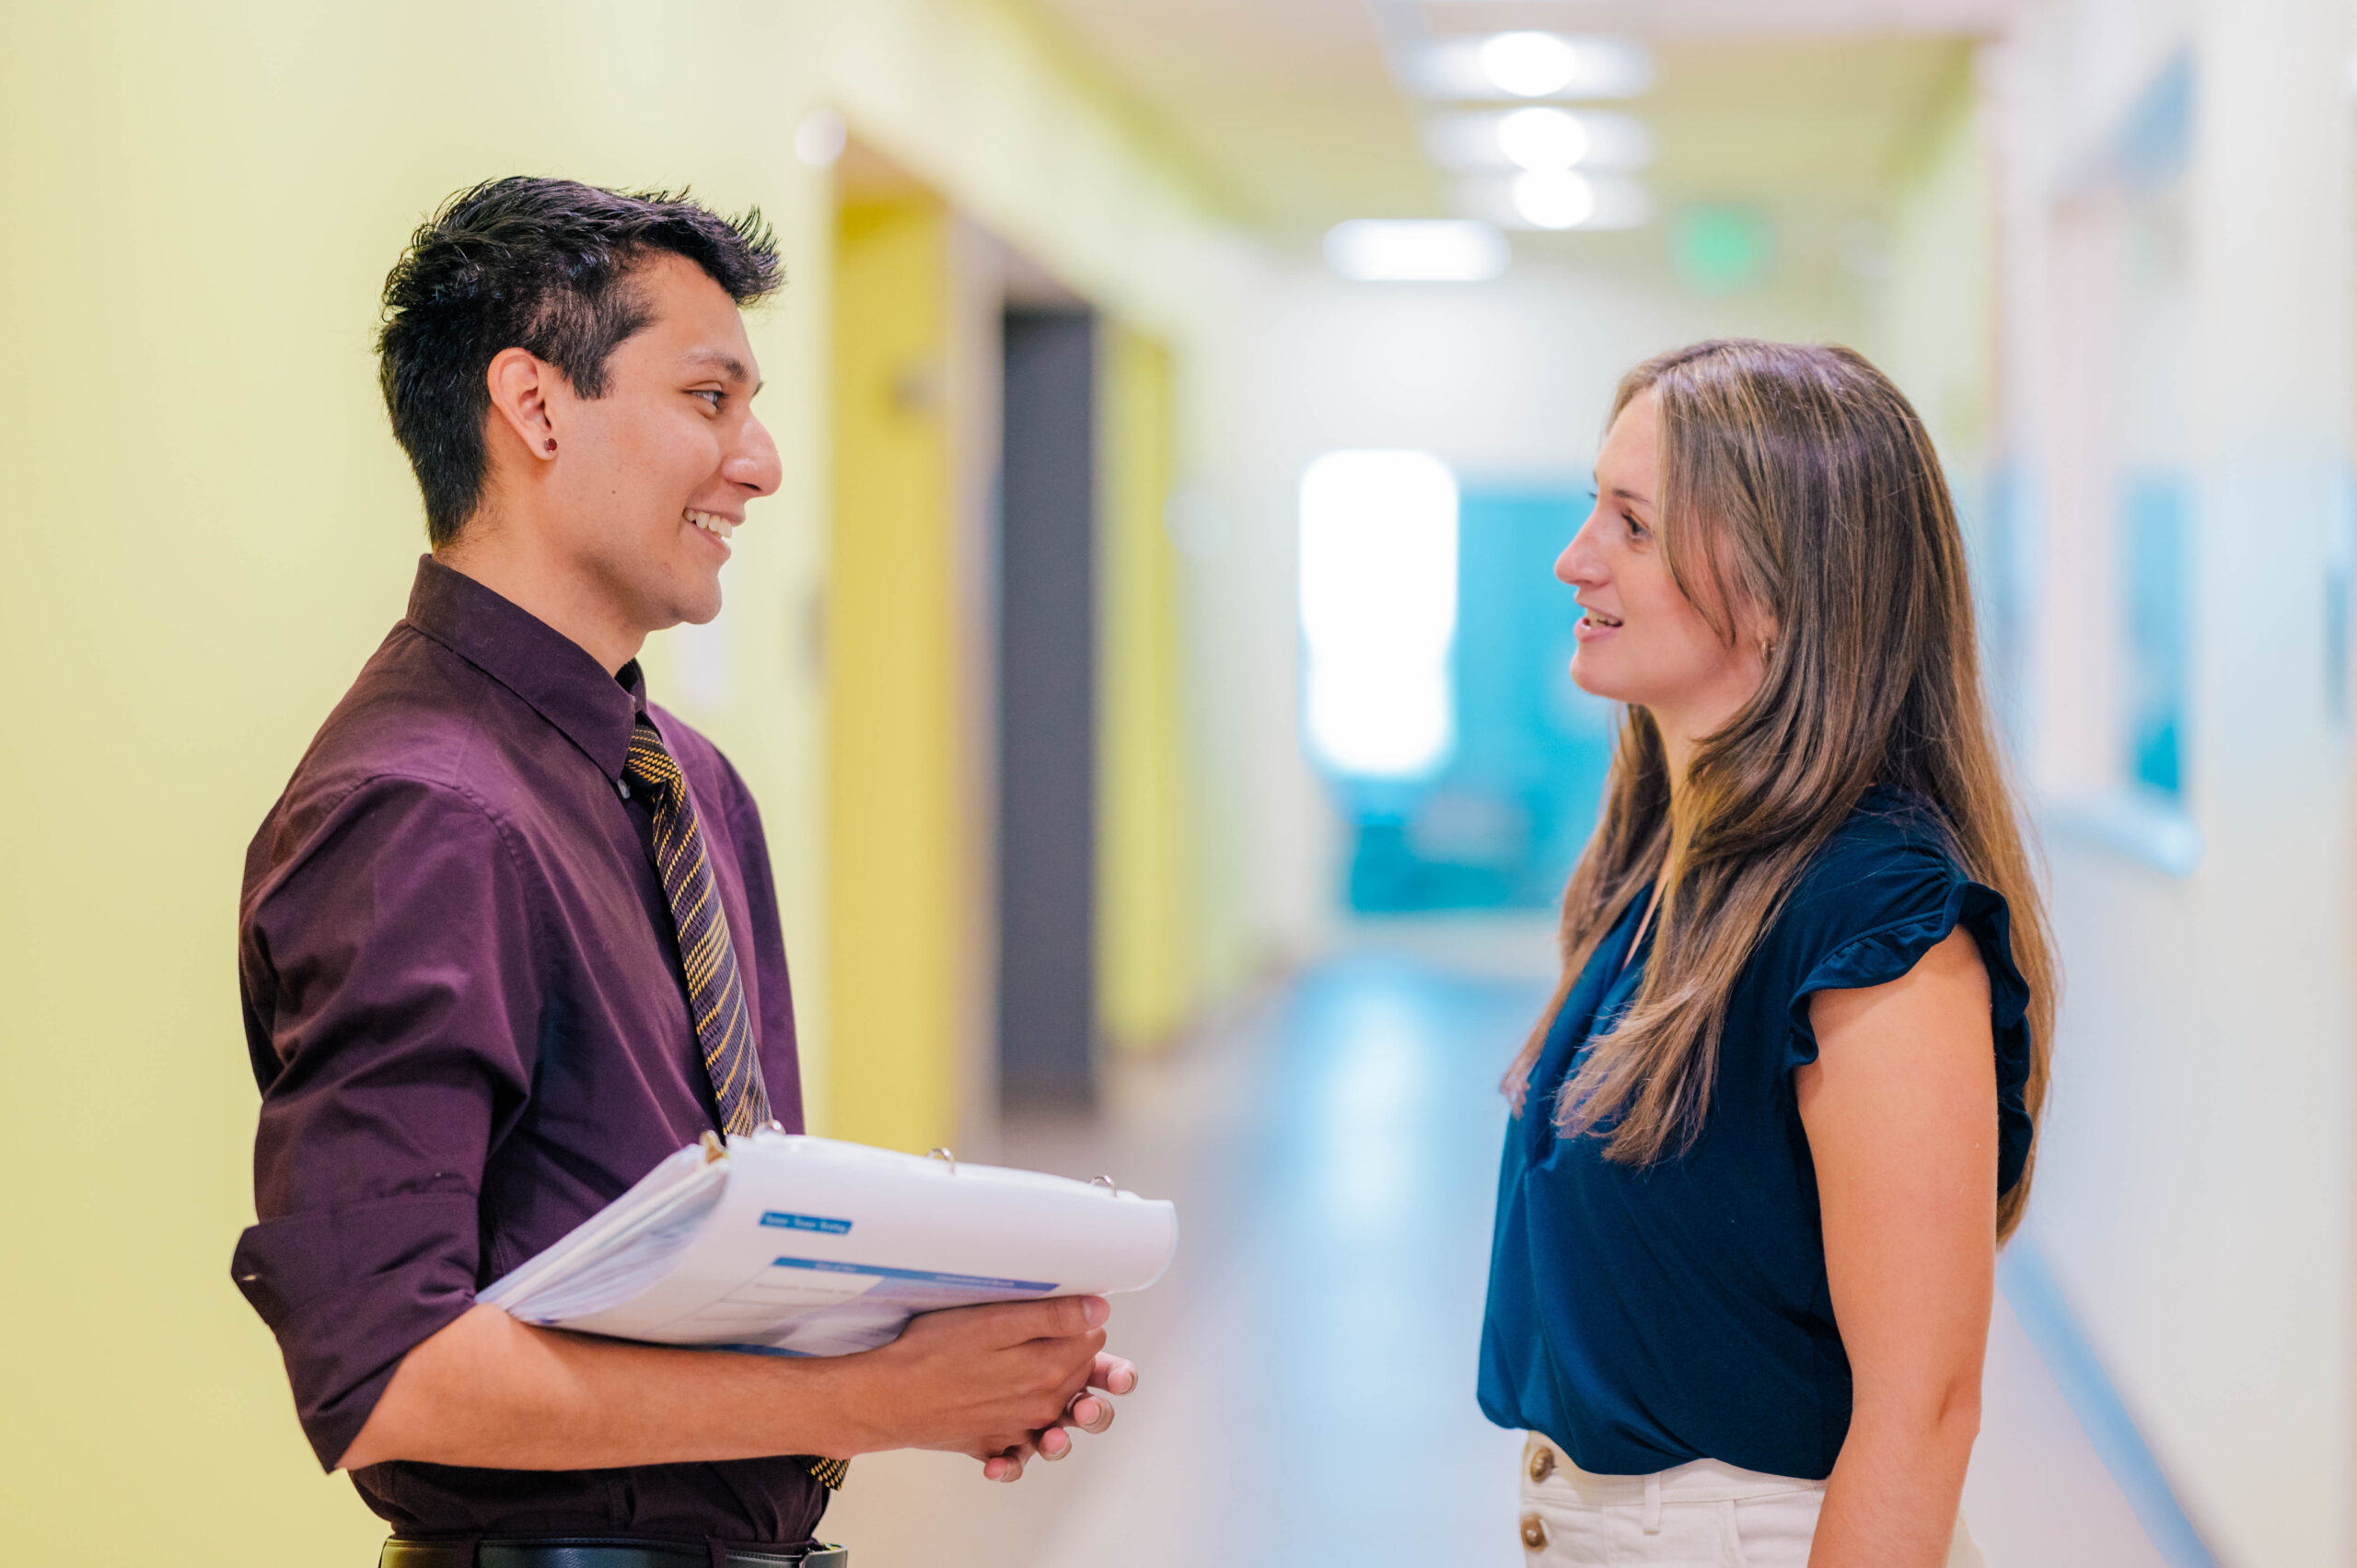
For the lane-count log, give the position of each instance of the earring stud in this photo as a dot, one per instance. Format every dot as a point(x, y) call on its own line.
point(551, 445)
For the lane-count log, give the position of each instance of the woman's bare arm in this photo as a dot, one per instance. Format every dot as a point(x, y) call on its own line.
point(1900, 1108)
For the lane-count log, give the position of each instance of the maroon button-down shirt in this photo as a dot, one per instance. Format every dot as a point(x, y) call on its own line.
point(465, 1008)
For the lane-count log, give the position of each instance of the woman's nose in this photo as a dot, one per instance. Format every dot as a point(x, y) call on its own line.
point(1578, 566)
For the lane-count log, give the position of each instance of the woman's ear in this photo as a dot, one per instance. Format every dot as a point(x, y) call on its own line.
point(1756, 631)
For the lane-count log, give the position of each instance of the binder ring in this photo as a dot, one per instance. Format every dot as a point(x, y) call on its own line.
point(946, 1157)
point(1106, 1182)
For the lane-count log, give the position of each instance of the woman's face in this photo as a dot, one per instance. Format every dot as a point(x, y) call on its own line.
point(1641, 640)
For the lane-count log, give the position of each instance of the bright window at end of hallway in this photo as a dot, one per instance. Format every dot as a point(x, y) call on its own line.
point(1378, 611)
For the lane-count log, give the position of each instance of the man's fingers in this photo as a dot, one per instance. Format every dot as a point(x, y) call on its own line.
point(1066, 1317)
point(1092, 1414)
point(1019, 1322)
point(1054, 1443)
point(1113, 1375)
point(1005, 1460)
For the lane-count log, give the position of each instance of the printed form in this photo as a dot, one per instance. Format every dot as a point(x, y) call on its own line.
point(800, 1246)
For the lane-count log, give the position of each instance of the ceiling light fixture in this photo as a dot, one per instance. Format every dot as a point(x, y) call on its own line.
point(1416, 250)
point(1530, 65)
point(1474, 140)
point(1554, 198)
point(1542, 139)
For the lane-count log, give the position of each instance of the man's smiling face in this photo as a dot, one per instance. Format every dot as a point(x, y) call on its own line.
point(656, 473)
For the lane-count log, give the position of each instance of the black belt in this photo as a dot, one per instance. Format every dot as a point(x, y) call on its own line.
point(601, 1551)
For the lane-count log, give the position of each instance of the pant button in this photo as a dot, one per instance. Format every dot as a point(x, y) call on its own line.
point(1543, 1462)
point(1533, 1532)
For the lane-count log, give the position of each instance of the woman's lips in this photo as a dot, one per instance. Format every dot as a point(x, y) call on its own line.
point(1592, 626)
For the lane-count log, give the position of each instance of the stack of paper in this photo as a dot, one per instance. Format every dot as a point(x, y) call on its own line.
point(810, 1247)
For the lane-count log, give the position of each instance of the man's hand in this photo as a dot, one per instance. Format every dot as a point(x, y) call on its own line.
point(994, 1381)
point(999, 1382)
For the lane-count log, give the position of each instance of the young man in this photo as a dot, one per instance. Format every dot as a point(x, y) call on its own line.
point(509, 938)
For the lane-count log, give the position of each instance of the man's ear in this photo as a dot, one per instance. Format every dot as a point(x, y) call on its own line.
point(520, 383)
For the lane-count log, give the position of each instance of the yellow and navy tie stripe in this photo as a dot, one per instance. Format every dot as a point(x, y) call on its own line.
point(715, 989)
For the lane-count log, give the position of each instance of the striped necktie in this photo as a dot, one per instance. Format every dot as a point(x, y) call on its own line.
point(715, 990)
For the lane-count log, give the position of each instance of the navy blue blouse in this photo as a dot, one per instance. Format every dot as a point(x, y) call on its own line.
point(1645, 1316)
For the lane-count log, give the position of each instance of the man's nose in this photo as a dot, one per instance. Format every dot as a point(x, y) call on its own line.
point(754, 463)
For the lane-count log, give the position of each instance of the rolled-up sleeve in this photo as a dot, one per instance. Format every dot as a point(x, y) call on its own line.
point(385, 960)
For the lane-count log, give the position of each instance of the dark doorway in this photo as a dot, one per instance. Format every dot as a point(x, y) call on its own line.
point(1047, 709)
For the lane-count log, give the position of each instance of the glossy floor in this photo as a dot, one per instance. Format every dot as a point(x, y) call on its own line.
point(1307, 1365)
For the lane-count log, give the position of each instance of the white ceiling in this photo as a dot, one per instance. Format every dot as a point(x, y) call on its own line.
point(1719, 18)
point(1290, 112)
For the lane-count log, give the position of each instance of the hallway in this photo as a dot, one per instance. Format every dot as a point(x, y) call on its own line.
point(1306, 1366)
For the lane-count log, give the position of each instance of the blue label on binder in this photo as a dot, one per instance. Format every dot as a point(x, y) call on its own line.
point(806, 1221)
point(917, 1276)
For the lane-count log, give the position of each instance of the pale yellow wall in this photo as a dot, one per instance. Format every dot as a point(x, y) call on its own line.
point(895, 827)
point(1149, 843)
point(208, 528)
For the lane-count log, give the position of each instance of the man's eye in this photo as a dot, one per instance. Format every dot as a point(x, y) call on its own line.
point(709, 392)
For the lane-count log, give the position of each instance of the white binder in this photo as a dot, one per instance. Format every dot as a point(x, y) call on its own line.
point(800, 1246)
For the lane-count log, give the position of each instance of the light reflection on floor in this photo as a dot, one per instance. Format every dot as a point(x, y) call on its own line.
point(1307, 1364)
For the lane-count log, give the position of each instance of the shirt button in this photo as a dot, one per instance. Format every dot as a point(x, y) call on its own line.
point(1543, 1462)
point(1534, 1533)
point(621, 787)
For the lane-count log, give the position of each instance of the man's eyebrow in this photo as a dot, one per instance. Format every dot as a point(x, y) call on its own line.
point(730, 365)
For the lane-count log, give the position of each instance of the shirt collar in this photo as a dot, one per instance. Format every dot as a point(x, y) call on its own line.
point(548, 669)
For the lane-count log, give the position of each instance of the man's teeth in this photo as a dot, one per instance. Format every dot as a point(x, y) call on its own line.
point(719, 528)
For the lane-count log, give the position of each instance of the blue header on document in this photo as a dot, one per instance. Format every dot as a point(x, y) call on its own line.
point(806, 1221)
point(961, 1282)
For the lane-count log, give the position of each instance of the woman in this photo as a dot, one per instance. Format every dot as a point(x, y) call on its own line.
point(1769, 1135)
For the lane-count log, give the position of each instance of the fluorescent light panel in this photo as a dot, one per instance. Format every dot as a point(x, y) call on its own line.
point(1534, 65)
point(1477, 140)
point(1416, 249)
point(1562, 199)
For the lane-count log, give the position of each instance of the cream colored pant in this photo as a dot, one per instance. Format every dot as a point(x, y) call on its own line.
point(1704, 1514)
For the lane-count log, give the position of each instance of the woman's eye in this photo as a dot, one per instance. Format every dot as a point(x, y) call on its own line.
point(1636, 528)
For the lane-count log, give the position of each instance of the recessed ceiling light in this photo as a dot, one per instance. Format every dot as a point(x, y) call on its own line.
point(1530, 65)
point(1561, 200)
point(1542, 138)
point(1416, 249)
point(1477, 139)
point(1554, 198)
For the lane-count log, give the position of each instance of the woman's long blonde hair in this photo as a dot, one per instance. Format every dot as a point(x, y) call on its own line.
point(1797, 481)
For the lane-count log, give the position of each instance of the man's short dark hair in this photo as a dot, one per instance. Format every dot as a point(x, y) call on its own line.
point(538, 264)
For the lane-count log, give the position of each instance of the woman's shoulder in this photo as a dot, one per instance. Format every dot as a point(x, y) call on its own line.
point(1893, 840)
point(1885, 889)
point(1889, 863)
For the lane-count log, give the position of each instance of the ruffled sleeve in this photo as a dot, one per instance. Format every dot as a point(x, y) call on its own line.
point(1870, 926)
